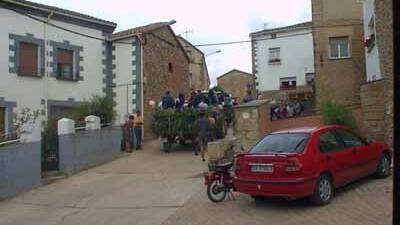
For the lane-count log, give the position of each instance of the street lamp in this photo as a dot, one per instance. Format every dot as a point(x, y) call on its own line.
point(214, 52)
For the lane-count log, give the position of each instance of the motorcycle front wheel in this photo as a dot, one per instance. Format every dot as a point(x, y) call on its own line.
point(216, 191)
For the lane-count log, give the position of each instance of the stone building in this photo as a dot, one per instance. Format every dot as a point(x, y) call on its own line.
point(338, 51)
point(198, 75)
point(237, 83)
point(377, 93)
point(151, 59)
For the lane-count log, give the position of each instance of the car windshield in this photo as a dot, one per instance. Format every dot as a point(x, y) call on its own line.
point(282, 143)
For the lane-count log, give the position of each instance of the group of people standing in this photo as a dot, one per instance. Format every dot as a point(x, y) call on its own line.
point(286, 110)
point(208, 126)
point(132, 132)
point(195, 99)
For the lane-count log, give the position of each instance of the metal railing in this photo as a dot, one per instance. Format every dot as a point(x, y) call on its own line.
point(9, 142)
point(8, 138)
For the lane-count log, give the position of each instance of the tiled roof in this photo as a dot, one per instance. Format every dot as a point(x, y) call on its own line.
point(139, 30)
point(43, 7)
point(282, 29)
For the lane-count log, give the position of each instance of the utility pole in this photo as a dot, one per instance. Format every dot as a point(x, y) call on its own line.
point(45, 70)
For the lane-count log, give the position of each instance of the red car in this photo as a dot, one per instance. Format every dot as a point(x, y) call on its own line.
point(309, 162)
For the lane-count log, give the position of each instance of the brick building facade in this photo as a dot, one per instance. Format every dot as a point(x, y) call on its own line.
point(377, 96)
point(338, 51)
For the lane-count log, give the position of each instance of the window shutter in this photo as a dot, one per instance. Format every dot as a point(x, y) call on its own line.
point(28, 59)
point(65, 56)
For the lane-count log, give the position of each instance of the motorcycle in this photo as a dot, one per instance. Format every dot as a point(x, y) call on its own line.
point(219, 181)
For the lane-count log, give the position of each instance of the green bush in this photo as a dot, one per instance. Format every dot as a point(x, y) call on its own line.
point(100, 106)
point(170, 123)
point(333, 113)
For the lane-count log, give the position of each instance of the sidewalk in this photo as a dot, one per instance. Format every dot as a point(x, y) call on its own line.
point(145, 187)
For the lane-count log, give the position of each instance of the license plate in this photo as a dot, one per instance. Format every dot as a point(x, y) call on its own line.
point(262, 168)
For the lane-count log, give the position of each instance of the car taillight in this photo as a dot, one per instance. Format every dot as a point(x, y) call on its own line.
point(293, 165)
point(237, 165)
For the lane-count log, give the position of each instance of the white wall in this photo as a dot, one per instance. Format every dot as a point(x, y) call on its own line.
point(297, 59)
point(28, 92)
point(371, 58)
point(123, 62)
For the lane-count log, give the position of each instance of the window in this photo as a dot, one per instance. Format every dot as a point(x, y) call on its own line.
point(28, 59)
point(349, 139)
point(170, 68)
point(274, 55)
point(288, 83)
point(328, 142)
point(339, 47)
point(282, 143)
point(65, 60)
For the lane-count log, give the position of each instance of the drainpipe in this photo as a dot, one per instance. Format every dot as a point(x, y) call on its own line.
point(142, 85)
point(46, 81)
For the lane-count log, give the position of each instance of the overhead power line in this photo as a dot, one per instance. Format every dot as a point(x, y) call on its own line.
point(247, 41)
point(65, 29)
point(128, 43)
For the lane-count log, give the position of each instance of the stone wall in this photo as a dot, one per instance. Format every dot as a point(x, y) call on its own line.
point(305, 121)
point(373, 109)
point(20, 168)
point(284, 95)
point(89, 148)
point(384, 37)
point(251, 122)
point(161, 48)
point(198, 69)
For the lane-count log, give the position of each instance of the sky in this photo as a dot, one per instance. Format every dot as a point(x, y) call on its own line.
point(208, 21)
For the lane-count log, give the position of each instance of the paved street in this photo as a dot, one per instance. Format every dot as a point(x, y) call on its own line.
point(143, 188)
point(151, 187)
point(368, 202)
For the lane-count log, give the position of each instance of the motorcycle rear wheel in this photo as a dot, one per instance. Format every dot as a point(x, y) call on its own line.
point(216, 192)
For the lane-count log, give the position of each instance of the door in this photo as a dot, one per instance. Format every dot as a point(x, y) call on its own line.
point(2, 121)
point(337, 158)
point(364, 156)
point(59, 112)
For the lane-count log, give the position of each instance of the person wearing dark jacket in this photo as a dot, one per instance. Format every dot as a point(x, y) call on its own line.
point(204, 131)
point(249, 97)
point(180, 102)
point(198, 98)
point(168, 101)
point(212, 98)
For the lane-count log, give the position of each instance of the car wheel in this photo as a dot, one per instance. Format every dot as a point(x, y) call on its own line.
point(323, 192)
point(383, 169)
